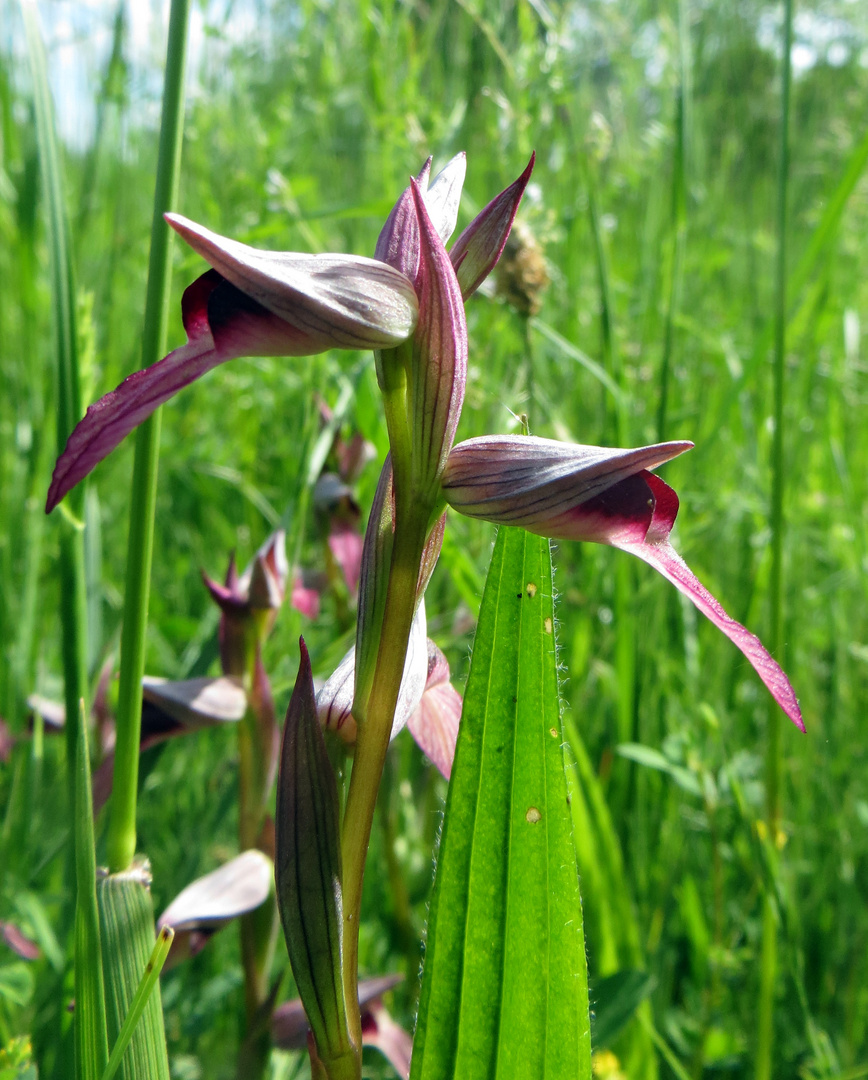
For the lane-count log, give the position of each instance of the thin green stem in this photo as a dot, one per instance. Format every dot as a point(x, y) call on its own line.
point(773, 771)
point(372, 741)
point(121, 845)
point(678, 218)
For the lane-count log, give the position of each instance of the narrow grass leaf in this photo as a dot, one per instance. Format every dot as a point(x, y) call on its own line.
point(127, 931)
point(504, 991)
point(150, 977)
point(73, 605)
point(91, 1042)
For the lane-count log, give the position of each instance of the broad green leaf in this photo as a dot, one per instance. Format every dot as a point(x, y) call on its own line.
point(504, 991)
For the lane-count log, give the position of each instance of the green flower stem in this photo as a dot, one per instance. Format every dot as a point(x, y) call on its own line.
point(374, 728)
point(259, 928)
point(773, 772)
point(121, 843)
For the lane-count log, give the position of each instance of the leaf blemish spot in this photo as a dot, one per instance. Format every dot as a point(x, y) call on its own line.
point(518, 596)
point(553, 732)
point(548, 626)
point(533, 815)
point(531, 590)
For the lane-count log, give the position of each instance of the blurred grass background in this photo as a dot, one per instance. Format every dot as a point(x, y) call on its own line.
point(655, 127)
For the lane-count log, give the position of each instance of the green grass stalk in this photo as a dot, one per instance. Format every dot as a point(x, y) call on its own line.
point(73, 602)
point(773, 768)
point(121, 844)
point(678, 216)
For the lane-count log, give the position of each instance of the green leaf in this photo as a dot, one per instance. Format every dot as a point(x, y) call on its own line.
point(653, 759)
point(616, 998)
point(91, 1040)
point(504, 991)
point(127, 930)
point(147, 984)
point(308, 874)
point(16, 983)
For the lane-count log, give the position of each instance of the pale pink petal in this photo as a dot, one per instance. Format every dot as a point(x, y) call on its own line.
point(304, 599)
point(434, 725)
point(393, 1042)
point(444, 196)
point(345, 544)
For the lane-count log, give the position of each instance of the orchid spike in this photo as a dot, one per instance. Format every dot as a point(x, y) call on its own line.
point(254, 303)
point(592, 493)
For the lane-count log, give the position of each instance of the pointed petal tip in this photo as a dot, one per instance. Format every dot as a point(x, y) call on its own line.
point(667, 562)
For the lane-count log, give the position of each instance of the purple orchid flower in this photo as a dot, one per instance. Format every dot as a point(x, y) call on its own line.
point(570, 492)
point(263, 303)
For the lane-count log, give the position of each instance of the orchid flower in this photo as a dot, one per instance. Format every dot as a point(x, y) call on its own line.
point(264, 303)
point(569, 492)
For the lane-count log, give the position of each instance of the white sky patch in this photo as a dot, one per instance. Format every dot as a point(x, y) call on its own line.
point(78, 41)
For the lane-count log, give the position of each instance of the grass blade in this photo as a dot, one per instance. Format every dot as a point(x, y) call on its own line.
point(73, 605)
point(150, 977)
point(91, 1042)
point(122, 826)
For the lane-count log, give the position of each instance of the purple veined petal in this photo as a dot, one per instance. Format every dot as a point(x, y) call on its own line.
point(334, 701)
point(107, 422)
point(439, 367)
point(538, 483)
point(477, 250)
point(443, 196)
point(599, 495)
point(331, 301)
point(430, 555)
point(656, 550)
point(398, 242)
point(221, 323)
point(434, 723)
